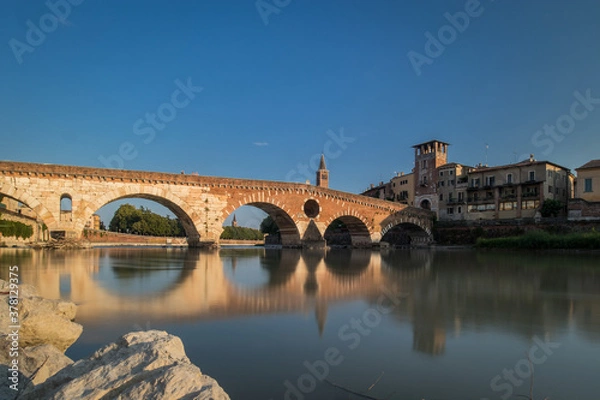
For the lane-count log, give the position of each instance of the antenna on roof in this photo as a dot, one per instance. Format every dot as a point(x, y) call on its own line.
point(487, 146)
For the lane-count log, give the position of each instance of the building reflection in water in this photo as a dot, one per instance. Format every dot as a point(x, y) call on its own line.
point(445, 292)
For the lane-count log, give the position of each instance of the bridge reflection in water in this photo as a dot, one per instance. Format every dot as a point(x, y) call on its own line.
point(442, 291)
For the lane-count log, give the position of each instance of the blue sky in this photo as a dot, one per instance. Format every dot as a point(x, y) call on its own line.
point(276, 94)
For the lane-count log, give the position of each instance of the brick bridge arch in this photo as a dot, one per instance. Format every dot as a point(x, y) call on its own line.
point(191, 222)
point(203, 203)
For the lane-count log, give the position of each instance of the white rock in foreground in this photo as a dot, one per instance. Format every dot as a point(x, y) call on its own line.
point(42, 321)
point(140, 365)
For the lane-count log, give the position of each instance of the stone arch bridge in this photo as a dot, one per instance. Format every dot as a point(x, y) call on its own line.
point(302, 211)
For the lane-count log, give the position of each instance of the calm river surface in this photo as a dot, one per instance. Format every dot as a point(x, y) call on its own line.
point(421, 324)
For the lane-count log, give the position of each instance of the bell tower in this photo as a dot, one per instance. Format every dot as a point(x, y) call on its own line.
point(323, 174)
point(429, 156)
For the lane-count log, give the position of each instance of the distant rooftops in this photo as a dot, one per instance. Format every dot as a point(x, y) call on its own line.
point(529, 162)
point(591, 164)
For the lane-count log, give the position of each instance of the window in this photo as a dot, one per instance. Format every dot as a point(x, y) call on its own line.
point(451, 172)
point(508, 205)
point(424, 163)
point(475, 182)
point(441, 173)
point(549, 174)
point(441, 196)
point(550, 189)
point(588, 185)
point(532, 175)
point(509, 178)
point(490, 180)
point(442, 183)
point(461, 196)
point(66, 204)
point(450, 210)
point(451, 182)
point(460, 210)
point(530, 204)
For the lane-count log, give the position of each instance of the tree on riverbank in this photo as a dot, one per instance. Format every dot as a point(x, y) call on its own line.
point(269, 226)
point(551, 208)
point(142, 221)
point(241, 233)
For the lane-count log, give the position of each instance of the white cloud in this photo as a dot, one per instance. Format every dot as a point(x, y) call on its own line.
point(260, 144)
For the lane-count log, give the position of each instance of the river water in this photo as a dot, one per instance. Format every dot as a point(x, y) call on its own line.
point(291, 324)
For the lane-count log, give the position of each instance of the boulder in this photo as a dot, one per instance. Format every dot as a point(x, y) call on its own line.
point(41, 321)
point(46, 321)
point(36, 364)
point(45, 331)
point(140, 365)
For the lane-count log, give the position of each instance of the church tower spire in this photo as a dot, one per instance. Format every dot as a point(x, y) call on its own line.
point(323, 174)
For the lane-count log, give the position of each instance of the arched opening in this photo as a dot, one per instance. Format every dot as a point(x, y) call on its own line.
point(19, 223)
point(276, 224)
point(66, 208)
point(243, 227)
point(141, 218)
point(426, 204)
point(347, 231)
point(404, 235)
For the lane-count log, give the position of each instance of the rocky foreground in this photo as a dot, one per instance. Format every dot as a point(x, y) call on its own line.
point(139, 365)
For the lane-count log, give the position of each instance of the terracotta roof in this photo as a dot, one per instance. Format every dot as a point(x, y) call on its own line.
point(591, 164)
point(519, 164)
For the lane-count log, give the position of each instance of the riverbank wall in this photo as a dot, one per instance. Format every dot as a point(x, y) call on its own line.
point(99, 238)
point(451, 233)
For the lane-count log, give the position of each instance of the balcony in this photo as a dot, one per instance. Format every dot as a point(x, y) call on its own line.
point(476, 200)
point(452, 202)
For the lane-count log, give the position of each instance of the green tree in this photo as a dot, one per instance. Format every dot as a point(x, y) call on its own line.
point(241, 233)
point(551, 208)
point(269, 226)
point(142, 221)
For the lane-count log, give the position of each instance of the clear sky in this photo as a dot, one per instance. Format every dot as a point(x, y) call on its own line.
point(257, 89)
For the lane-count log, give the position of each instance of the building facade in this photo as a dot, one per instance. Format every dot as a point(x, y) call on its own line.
point(460, 192)
point(510, 191)
point(402, 188)
point(586, 205)
point(452, 191)
point(588, 181)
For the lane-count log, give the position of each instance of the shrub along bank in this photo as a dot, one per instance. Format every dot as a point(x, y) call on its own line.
point(543, 240)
